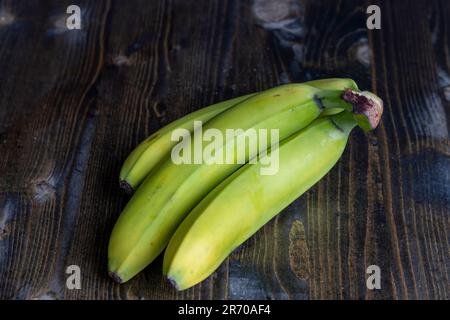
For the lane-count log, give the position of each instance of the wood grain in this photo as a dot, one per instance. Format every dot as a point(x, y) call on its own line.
point(73, 104)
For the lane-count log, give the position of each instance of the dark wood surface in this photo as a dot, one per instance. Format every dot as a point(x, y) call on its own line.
point(73, 104)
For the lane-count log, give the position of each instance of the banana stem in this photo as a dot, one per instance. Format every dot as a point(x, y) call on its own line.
point(366, 107)
point(344, 121)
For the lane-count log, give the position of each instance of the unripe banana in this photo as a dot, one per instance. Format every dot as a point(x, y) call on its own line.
point(156, 147)
point(169, 193)
point(246, 200)
point(153, 149)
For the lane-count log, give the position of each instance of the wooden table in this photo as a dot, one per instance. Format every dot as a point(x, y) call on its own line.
point(74, 103)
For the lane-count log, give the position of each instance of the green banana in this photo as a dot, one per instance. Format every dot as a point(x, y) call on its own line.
point(169, 193)
point(246, 200)
point(155, 148)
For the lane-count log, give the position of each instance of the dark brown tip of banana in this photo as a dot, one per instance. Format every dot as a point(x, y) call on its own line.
point(126, 186)
point(173, 283)
point(115, 277)
point(365, 103)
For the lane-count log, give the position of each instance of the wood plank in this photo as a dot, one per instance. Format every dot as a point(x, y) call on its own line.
point(46, 92)
point(414, 146)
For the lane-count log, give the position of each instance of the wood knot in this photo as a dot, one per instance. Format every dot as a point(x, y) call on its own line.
point(43, 190)
point(447, 93)
point(298, 251)
point(270, 11)
point(160, 109)
point(4, 231)
point(363, 53)
point(7, 212)
point(50, 295)
point(121, 60)
point(6, 18)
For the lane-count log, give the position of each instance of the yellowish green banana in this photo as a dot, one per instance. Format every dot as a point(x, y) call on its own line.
point(165, 197)
point(153, 149)
point(246, 200)
point(156, 147)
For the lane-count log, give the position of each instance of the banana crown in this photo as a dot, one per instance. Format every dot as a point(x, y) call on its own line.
point(367, 108)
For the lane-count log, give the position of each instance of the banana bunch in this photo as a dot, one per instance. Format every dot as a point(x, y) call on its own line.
point(202, 211)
